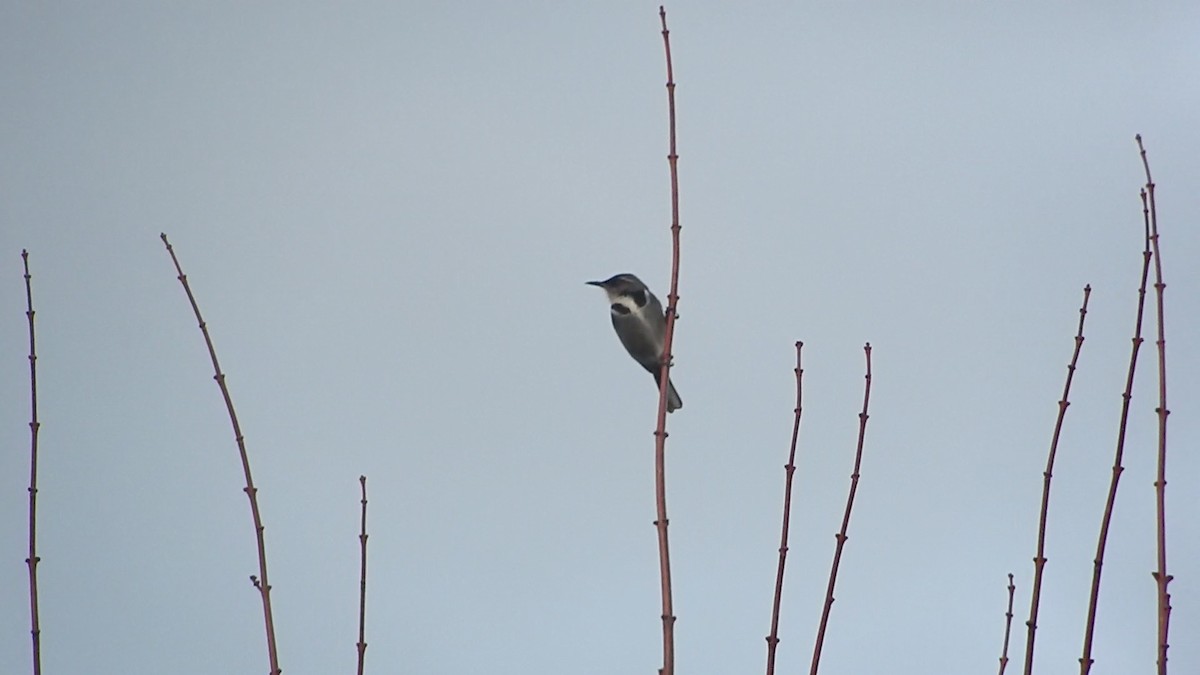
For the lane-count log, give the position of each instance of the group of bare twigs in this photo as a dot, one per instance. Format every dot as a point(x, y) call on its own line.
point(260, 580)
point(1162, 578)
point(1150, 253)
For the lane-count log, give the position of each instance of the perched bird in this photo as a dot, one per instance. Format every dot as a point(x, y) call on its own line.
point(638, 318)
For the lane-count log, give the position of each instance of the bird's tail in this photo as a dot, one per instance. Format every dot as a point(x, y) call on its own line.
point(673, 401)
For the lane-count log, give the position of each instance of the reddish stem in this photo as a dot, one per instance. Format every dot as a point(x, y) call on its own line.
point(1039, 561)
point(1008, 617)
point(789, 469)
point(660, 434)
point(362, 580)
point(33, 559)
point(1160, 484)
point(841, 535)
point(1086, 661)
point(260, 580)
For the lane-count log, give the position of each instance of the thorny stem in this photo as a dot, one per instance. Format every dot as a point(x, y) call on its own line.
point(1086, 661)
point(1008, 617)
point(259, 581)
point(362, 581)
point(841, 535)
point(1160, 484)
point(1039, 561)
point(789, 469)
point(33, 559)
point(660, 434)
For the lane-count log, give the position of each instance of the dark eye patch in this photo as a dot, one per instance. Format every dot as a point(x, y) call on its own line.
point(618, 308)
point(639, 298)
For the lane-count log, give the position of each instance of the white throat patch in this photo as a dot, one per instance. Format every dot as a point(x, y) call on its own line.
point(624, 301)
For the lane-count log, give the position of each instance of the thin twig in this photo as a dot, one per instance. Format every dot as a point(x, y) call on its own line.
point(1160, 483)
point(1039, 561)
point(362, 581)
point(1086, 661)
point(1008, 617)
point(259, 581)
point(660, 433)
point(789, 469)
point(841, 535)
point(33, 559)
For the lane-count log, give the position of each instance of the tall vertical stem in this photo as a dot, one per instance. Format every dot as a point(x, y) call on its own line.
point(789, 470)
point(1039, 561)
point(362, 580)
point(1086, 661)
point(1160, 484)
point(33, 559)
point(841, 535)
point(660, 433)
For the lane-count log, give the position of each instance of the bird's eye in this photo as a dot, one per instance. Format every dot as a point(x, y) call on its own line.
point(639, 298)
point(618, 308)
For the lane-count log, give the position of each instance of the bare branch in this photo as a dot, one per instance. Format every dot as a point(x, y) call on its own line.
point(1008, 617)
point(1086, 661)
point(1039, 561)
point(660, 434)
point(362, 580)
point(789, 470)
point(1160, 484)
point(841, 535)
point(260, 581)
point(34, 426)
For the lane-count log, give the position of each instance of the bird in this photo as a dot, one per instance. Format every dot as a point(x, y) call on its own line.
point(641, 325)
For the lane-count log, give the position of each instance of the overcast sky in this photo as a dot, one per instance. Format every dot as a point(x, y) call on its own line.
point(387, 212)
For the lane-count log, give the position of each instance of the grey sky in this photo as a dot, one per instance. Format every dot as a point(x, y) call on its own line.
point(388, 211)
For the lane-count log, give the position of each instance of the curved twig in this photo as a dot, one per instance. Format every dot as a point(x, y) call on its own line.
point(841, 535)
point(1086, 661)
point(260, 580)
point(1039, 561)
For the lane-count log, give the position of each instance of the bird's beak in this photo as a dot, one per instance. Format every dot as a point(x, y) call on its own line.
point(595, 283)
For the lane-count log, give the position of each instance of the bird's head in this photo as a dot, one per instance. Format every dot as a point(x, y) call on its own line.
point(625, 292)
